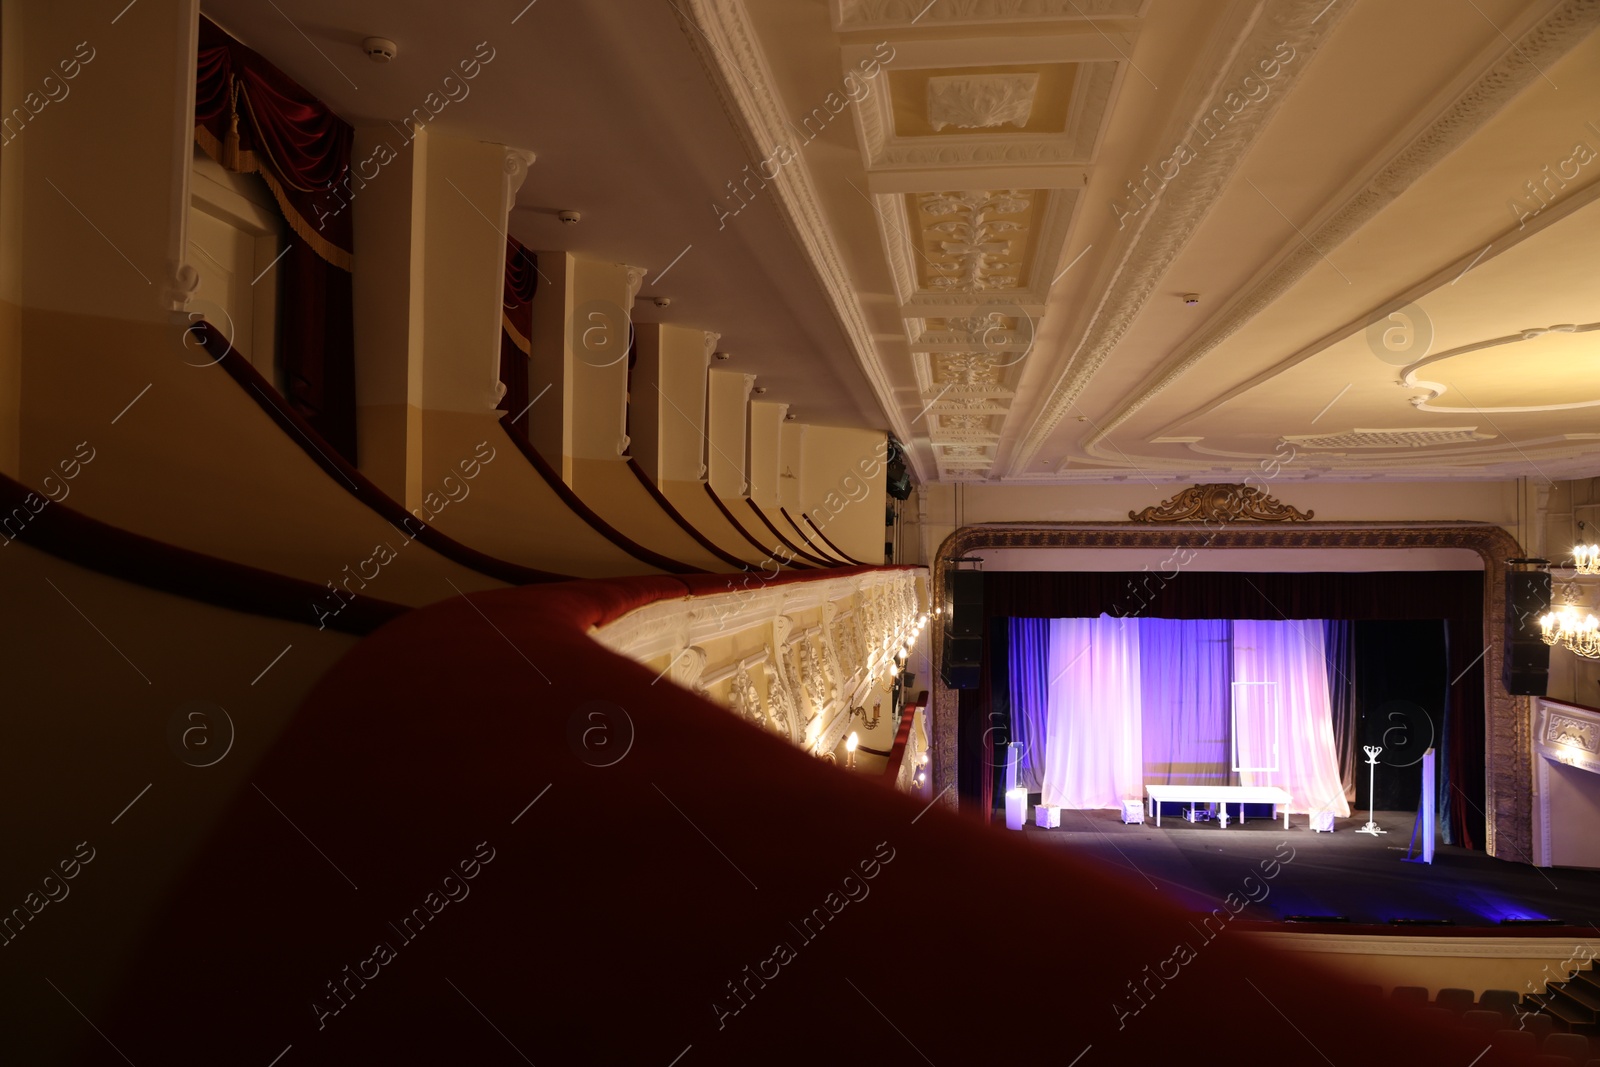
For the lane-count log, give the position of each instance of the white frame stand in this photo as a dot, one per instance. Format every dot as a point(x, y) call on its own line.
point(1427, 817)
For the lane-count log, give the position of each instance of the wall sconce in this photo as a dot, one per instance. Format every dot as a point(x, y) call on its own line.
point(870, 722)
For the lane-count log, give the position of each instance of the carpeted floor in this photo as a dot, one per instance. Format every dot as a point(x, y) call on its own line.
point(1365, 878)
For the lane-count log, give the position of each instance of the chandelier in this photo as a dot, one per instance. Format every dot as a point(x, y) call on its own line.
point(1586, 559)
point(1572, 628)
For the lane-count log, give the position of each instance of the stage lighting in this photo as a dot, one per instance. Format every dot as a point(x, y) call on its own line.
point(1533, 922)
point(1422, 922)
point(1317, 919)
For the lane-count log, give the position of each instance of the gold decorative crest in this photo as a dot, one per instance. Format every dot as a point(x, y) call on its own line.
point(1221, 502)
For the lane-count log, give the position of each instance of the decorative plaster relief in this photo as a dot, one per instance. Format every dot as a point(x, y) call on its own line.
point(980, 101)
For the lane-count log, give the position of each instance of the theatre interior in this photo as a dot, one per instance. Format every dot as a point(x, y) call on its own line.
point(800, 531)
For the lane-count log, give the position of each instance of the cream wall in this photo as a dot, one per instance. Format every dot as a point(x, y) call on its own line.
point(841, 487)
point(766, 431)
point(387, 288)
point(728, 432)
point(463, 269)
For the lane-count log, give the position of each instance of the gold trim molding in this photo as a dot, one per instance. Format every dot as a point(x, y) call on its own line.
point(1508, 743)
point(1221, 502)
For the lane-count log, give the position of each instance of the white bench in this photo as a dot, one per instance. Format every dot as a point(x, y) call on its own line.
point(1221, 795)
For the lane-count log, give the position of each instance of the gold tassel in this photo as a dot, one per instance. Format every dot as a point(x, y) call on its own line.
point(230, 142)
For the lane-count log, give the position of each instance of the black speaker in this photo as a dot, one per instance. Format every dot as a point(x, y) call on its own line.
point(958, 667)
point(1525, 667)
point(964, 591)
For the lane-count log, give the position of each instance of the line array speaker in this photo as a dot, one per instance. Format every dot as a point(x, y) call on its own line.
point(1525, 669)
point(963, 632)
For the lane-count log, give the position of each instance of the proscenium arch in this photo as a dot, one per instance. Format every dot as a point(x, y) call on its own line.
point(1508, 774)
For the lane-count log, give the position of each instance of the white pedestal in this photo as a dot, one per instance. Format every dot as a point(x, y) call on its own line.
point(1016, 808)
point(1322, 821)
point(1133, 811)
point(1046, 816)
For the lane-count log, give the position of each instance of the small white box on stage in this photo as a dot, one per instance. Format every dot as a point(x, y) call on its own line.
point(1322, 821)
point(1046, 816)
point(1016, 808)
point(1133, 810)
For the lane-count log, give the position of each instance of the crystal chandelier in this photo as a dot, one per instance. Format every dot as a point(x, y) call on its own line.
point(1572, 628)
point(1586, 559)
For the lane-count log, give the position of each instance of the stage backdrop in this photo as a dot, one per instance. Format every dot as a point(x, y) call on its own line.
point(1114, 704)
point(1454, 597)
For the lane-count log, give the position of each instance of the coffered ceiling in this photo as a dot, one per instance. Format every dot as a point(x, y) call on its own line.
point(1083, 240)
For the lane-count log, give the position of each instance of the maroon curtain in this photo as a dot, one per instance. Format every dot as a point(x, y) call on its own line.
point(252, 119)
point(522, 279)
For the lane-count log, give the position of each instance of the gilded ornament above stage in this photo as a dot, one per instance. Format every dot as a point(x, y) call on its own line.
point(1221, 502)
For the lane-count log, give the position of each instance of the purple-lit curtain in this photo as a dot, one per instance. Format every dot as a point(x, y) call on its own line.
point(1093, 758)
point(253, 119)
point(1185, 669)
point(1339, 644)
point(1030, 694)
point(1280, 672)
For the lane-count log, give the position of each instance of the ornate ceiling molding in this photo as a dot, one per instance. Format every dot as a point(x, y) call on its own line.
point(986, 290)
point(882, 149)
point(720, 33)
point(1221, 502)
point(1162, 230)
point(980, 101)
point(1415, 437)
point(1409, 377)
point(902, 14)
point(1516, 69)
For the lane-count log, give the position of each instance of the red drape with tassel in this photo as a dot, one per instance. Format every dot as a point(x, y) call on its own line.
point(253, 119)
point(516, 321)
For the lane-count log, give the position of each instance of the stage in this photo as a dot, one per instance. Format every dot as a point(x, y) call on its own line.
point(1197, 865)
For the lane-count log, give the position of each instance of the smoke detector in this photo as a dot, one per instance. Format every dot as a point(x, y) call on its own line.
point(571, 218)
point(379, 49)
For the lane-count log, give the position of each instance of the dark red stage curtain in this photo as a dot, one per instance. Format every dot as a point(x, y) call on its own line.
point(253, 119)
point(516, 332)
point(1457, 597)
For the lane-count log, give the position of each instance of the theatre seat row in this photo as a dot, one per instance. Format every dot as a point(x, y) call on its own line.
point(1513, 1023)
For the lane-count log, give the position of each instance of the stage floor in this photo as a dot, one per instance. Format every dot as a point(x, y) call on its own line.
point(1196, 865)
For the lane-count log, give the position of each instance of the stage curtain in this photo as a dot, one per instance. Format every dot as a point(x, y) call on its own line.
point(1338, 643)
point(1029, 657)
point(1093, 755)
point(1454, 596)
point(1185, 668)
point(253, 119)
point(1288, 656)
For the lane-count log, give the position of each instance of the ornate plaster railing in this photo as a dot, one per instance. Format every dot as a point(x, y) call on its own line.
point(913, 770)
point(792, 657)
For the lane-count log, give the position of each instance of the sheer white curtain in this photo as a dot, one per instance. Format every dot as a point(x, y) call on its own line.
point(1094, 757)
point(1287, 657)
